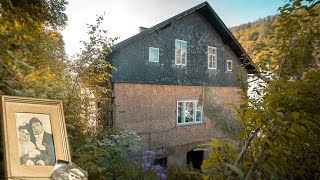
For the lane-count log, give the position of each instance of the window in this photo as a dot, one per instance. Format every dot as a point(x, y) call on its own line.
point(180, 52)
point(153, 54)
point(189, 112)
point(212, 57)
point(229, 65)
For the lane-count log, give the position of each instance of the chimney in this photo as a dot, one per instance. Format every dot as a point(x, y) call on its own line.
point(141, 29)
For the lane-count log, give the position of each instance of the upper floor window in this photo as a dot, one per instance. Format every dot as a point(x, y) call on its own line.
point(153, 54)
point(188, 112)
point(229, 65)
point(180, 52)
point(212, 57)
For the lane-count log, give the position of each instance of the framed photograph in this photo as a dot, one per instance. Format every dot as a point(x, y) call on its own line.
point(34, 136)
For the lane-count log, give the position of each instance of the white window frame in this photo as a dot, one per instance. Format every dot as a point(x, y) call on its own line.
point(229, 68)
point(181, 49)
point(150, 49)
point(195, 105)
point(212, 55)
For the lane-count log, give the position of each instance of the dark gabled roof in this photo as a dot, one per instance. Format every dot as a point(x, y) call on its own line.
point(206, 10)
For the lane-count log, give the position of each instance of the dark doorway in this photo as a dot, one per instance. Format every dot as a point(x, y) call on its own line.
point(195, 159)
point(161, 161)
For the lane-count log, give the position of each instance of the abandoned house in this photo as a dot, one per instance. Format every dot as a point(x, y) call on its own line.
point(172, 81)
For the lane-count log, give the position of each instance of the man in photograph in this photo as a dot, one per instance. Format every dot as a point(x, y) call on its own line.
point(43, 141)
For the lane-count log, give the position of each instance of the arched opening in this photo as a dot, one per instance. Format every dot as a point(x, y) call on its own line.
point(195, 158)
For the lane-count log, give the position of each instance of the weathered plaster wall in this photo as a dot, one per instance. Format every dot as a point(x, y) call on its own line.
point(150, 110)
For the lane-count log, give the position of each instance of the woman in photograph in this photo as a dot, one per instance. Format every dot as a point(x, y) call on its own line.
point(28, 153)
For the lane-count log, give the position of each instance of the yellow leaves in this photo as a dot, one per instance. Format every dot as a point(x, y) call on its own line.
point(17, 25)
point(205, 164)
point(215, 144)
point(213, 155)
point(295, 115)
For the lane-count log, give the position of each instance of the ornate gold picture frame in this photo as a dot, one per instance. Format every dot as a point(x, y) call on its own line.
point(34, 136)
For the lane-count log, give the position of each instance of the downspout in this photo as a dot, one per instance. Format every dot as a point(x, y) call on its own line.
point(111, 107)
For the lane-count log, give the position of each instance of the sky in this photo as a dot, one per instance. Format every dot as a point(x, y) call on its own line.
point(123, 17)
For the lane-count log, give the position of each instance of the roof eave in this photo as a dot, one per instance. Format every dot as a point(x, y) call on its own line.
point(206, 10)
point(230, 40)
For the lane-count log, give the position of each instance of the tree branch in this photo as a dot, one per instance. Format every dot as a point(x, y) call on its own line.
point(247, 143)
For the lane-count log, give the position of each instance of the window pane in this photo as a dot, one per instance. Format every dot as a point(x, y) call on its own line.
point(189, 115)
point(214, 61)
point(183, 56)
point(183, 53)
point(178, 44)
point(154, 54)
point(183, 45)
point(210, 50)
point(210, 61)
point(180, 111)
point(183, 61)
point(199, 113)
point(178, 56)
point(229, 65)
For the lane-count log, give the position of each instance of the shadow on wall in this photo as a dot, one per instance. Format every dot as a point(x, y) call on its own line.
point(222, 116)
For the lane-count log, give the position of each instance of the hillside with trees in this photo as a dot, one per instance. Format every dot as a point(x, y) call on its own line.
point(251, 34)
point(256, 36)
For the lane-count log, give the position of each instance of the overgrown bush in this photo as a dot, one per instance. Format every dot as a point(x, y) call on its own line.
point(175, 172)
point(116, 156)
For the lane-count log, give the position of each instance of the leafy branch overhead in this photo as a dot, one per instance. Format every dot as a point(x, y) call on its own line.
point(32, 49)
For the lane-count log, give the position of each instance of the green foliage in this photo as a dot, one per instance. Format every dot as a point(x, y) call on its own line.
point(254, 35)
point(114, 156)
point(175, 172)
point(257, 37)
point(222, 117)
point(111, 157)
point(32, 51)
point(280, 132)
point(91, 78)
point(50, 12)
point(221, 154)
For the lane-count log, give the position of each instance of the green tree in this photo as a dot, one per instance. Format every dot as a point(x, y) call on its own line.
point(32, 50)
point(280, 133)
point(32, 57)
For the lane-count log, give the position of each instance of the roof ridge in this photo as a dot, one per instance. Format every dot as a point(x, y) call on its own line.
point(161, 24)
point(212, 17)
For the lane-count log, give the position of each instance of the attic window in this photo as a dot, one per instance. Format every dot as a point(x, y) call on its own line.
point(153, 54)
point(189, 112)
point(180, 52)
point(212, 57)
point(229, 65)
